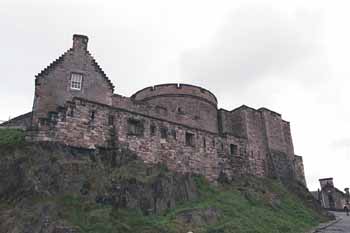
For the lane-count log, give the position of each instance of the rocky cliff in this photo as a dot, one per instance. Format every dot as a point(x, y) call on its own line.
point(51, 188)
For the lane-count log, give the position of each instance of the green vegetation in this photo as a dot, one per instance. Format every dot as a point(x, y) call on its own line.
point(96, 218)
point(11, 137)
point(67, 184)
point(253, 205)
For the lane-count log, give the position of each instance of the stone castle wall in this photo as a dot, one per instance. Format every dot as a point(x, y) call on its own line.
point(159, 141)
point(299, 169)
point(178, 124)
point(174, 89)
point(268, 136)
point(88, 124)
point(181, 103)
point(256, 139)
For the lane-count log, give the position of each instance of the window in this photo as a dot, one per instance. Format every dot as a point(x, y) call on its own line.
point(173, 132)
point(189, 139)
point(135, 127)
point(110, 120)
point(153, 130)
point(163, 132)
point(92, 115)
point(75, 81)
point(204, 143)
point(53, 116)
point(233, 149)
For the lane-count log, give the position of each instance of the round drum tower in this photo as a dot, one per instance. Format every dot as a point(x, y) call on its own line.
point(185, 104)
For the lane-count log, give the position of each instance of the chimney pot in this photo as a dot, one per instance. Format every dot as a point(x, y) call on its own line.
point(80, 42)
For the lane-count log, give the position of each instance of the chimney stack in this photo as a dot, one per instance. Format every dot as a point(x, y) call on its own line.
point(80, 42)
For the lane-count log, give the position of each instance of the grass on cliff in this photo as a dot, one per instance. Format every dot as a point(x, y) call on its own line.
point(250, 206)
point(11, 137)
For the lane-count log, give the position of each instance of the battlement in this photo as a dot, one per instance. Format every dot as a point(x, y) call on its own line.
point(175, 89)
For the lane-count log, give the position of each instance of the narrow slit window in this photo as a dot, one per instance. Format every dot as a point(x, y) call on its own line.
point(110, 120)
point(173, 132)
point(189, 139)
point(233, 149)
point(153, 130)
point(163, 132)
point(92, 115)
point(76, 81)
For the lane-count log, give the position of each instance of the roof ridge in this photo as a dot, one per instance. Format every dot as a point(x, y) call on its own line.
point(58, 60)
point(99, 69)
point(53, 64)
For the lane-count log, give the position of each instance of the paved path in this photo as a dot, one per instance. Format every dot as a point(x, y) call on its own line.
point(340, 226)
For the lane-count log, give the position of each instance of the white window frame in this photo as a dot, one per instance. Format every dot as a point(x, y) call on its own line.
point(76, 81)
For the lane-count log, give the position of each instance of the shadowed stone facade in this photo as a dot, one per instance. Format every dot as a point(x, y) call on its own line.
point(176, 124)
point(330, 197)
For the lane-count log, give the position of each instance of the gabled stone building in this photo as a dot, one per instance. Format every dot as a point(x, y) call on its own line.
point(176, 124)
point(330, 197)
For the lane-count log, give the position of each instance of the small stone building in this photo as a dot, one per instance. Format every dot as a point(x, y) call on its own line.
point(330, 197)
point(176, 124)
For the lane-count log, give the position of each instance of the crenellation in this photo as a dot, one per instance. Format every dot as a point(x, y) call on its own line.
point(176, 124)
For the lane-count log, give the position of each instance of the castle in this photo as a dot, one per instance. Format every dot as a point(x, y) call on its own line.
point(176, 124)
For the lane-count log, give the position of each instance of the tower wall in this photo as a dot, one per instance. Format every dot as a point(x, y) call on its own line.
point(181, 103)
point(299, 169)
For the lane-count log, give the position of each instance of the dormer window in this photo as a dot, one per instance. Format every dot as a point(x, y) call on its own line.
point(76, 81)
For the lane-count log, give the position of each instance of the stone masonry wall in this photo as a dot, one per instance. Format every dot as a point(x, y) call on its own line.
point(174, 88)
point(208, 154)
point(87, 124)
point(288, 138)
point(233, 122)
point(269, 141)
point(257, 145)
point(274, 131)
point(182, 103)
point(185, 110)
point(52, 85)
point(299, 169)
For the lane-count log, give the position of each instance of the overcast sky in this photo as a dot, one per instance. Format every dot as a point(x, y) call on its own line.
point(289, 56)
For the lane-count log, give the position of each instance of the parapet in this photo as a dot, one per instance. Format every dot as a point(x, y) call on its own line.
point(269, 111)
point(175, 89)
